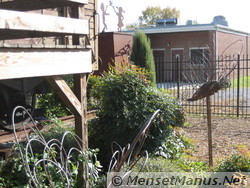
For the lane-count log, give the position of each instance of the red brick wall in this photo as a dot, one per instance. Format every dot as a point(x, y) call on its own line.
point(227, 43)
point(231, 44)
point(184, 40)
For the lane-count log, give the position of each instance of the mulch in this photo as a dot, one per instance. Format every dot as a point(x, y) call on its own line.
point(230, 135)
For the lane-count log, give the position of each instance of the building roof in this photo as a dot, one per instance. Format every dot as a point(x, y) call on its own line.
point(191, 28)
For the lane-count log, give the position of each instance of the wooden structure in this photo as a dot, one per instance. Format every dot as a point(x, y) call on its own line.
point(49, 38)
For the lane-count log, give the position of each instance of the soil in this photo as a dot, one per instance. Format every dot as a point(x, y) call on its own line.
point(230, 135)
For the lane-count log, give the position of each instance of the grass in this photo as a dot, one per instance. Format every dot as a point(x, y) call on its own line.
point(244, 82)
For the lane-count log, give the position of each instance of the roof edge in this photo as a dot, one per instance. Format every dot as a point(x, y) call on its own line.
point(191, 28)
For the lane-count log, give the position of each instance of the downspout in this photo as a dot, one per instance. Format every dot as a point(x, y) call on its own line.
point(247, 38)
point(216, 49)
point(216, 44)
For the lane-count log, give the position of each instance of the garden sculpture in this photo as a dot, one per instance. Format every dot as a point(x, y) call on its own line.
point(209, 88)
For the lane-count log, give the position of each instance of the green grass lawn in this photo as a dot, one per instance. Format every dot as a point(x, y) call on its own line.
point(244, 82)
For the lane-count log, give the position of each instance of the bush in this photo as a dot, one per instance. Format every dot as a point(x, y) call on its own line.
point(12, 173)
point(91, 103)
point(126, 101)
point(171, 147)
point(56, 131)
point(235, 163)
point(157, 164)
point(160, 164)
point(53, 105)
point(191, 166)
point(51, 102)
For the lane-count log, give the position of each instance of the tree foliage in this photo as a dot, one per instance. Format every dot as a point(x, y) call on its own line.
point(151, 14)
point(142, 54)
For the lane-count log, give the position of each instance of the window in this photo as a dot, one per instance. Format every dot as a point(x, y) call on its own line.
point(199, 56)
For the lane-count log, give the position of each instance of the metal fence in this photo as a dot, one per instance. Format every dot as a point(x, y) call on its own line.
point(183, 77)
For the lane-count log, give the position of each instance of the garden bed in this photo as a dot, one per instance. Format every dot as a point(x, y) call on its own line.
point(230, 135)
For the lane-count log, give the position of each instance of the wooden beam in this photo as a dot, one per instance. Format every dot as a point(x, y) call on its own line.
point(14, 24)
point(21, 63)
point(66, 94)
point(25, 5)
point(80, 87)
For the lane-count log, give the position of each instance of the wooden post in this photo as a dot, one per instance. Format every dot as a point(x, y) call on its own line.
point(238, 86)
point(178, 76)
point(77, 102)
point(75, 14)
point(80, 87)
point(209, 126)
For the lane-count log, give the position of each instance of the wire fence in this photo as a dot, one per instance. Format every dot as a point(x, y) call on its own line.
point(183, 77)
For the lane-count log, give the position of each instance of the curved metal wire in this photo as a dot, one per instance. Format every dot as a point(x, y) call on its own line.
point(55, 164)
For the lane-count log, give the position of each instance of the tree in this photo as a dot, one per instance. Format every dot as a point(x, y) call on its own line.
point(151, 14)
point(132, 26)
point(142, 54)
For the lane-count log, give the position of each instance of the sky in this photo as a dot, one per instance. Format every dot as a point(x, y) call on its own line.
point(237, 13)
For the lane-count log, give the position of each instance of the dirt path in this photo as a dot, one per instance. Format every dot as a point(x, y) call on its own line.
point(229, 136)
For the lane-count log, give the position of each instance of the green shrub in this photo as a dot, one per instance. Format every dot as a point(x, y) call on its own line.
point(235, 163)
point(51, 102)
point(12, 173)
point(191, 166)
point(126, 101)
point(157, 164)
point(160, 164)
point(172, 146)
point(142, 54)
point(53, 105)
point(91, 103)
point(56, 131)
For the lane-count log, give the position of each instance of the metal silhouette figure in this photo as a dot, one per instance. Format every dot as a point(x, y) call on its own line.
point(119, 15)
point(104, 14)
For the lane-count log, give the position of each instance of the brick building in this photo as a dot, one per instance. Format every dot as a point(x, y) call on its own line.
point(196, 42)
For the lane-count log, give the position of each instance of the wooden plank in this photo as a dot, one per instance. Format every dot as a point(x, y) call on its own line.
point(66, 94)
point(6, 44)
point(6, 136)
point(20, 63)
point(25, 5)
point(14, 24)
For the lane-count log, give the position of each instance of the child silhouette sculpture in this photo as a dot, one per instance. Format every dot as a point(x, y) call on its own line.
point(119, 15)
point(104, 13)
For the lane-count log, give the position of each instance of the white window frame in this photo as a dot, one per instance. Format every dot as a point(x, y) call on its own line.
point(197, 48)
